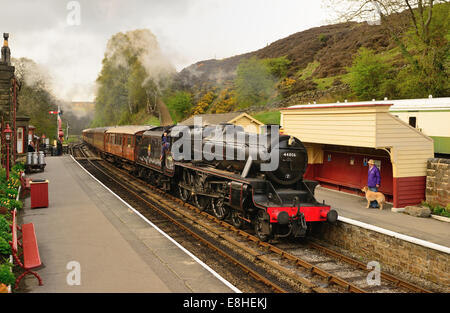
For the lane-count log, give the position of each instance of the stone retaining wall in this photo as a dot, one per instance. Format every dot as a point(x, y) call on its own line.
point(438, 181)
point(423, 266)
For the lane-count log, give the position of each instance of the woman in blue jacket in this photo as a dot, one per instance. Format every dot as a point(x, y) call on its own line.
point(373, 180)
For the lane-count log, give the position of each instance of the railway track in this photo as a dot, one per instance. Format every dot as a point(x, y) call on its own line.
point(91, 166)
point(296, 264)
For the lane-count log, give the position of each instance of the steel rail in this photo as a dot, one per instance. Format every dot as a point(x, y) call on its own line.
point(395, 280)
point(331, 278)
point(244, 267)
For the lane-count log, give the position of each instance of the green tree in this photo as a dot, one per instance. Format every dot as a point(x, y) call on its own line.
point(132, 75)
point(278, 67)
point(179, 104)
point(254, 83)
point(34, 98)
point(429, 69)
point(420, 28)
point(368, 75)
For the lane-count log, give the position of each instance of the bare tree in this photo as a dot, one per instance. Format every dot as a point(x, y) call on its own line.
point(420, 17)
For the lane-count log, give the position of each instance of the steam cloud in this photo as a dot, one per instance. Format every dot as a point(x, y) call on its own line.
point(143, 44)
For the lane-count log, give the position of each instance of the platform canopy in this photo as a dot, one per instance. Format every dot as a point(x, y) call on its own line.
point(362, 125)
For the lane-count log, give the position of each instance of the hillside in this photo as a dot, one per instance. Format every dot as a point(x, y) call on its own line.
point(346, 61)
point(327, 49)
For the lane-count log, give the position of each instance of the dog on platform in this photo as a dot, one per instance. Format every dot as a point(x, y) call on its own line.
point(372, 196)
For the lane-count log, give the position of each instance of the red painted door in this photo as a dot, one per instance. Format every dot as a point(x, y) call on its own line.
point(350, 170)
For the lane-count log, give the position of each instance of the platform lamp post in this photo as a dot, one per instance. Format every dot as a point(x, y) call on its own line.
point(7, 132)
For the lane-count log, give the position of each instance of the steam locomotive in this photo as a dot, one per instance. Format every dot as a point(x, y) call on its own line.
point(254, 179)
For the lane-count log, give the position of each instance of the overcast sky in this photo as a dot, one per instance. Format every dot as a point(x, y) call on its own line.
point(187, 30)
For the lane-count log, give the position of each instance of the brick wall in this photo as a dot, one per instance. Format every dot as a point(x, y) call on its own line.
point(438, 181)
point(423, 266)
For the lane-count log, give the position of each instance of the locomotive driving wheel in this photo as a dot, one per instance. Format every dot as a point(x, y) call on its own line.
point(219, 208)
point(236, 219)
point(186, 181)
point(201, 202)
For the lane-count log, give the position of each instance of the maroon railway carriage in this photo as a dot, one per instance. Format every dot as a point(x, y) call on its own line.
point(95, 138)
point(120, 142)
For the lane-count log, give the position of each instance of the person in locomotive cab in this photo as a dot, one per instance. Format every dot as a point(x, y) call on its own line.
point(164, 145)
point(373, 180)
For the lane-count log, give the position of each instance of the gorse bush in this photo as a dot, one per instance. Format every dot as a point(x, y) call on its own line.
point(11, 203)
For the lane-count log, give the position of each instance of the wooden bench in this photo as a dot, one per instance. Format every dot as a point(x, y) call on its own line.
point(30, 250)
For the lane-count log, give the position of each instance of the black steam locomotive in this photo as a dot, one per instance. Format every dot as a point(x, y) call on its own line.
point(249, 178)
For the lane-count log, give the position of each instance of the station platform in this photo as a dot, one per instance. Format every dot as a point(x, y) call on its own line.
point(354, 207)
point(117, 250)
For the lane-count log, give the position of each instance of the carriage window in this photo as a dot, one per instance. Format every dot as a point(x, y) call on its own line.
point(412, 121)
point(129, 141)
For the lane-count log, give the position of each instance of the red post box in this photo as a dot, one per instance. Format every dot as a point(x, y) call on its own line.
point(39, 193)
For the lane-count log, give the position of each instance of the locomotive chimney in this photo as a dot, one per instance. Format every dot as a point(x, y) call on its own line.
point(6, 53)
point(265, 129)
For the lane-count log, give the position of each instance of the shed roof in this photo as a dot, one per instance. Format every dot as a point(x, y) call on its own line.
point(339, 105)
point(128, 129)
point(424, 104)
point(211, 119)
point(245, 115)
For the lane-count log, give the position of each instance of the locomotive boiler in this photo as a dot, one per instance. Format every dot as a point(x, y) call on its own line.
point(283, 159)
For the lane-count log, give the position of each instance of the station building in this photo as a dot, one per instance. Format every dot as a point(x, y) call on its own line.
point(249, 123)
point(22, 135)
point(429, 115)
point(342, 137)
